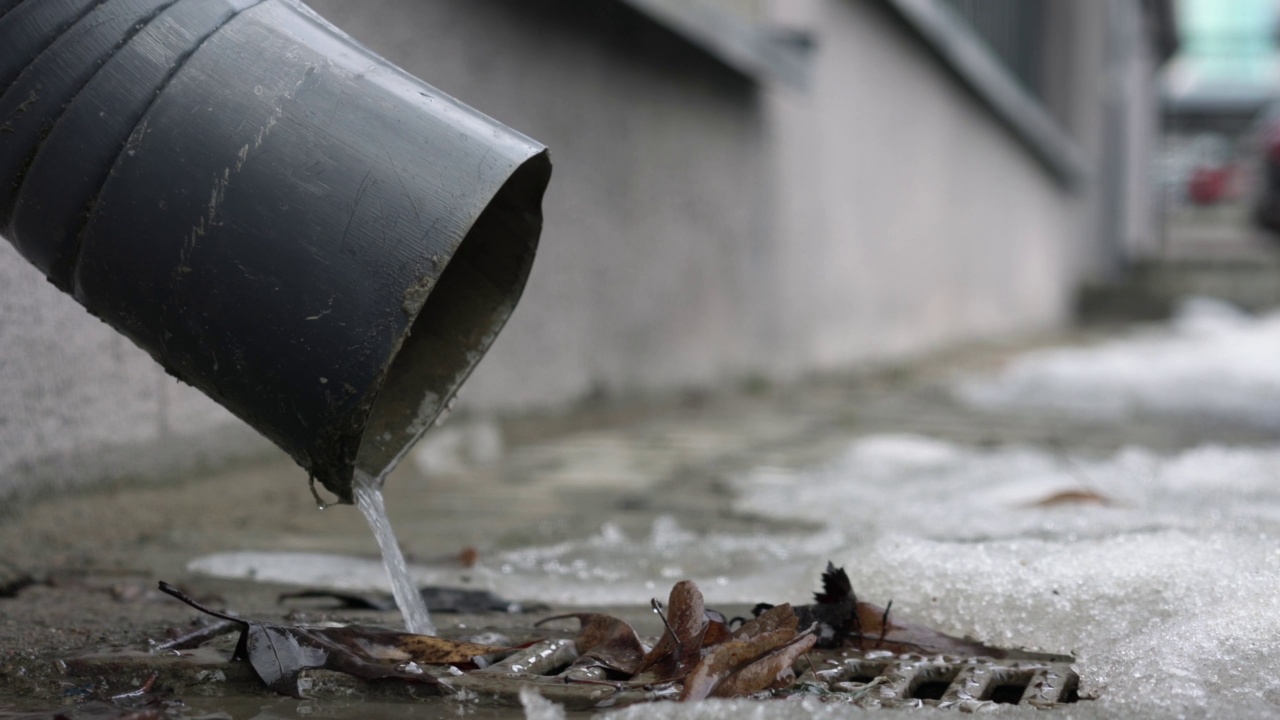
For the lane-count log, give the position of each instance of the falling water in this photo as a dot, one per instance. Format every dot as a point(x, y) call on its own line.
point(368, 494)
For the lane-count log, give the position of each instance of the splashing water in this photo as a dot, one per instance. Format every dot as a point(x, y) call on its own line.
point(368, 494)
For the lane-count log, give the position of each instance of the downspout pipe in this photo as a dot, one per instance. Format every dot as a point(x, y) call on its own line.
point(317, 240)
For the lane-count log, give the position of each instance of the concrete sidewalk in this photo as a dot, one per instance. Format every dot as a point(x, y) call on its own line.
point(630, 468)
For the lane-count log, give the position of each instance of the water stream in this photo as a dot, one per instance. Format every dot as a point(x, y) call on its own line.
point(368, 494)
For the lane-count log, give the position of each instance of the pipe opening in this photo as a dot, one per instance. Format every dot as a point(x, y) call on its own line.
point(457, 318)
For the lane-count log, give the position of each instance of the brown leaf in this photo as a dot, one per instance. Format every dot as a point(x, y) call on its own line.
point(842, 620)
point(467, 558)
point(902, 636)
point(1072, 497)
point(778, 617)
point(736, 656)
point(679, 649)
point(607, 642)
point(770, 671)
point(279, 653)
point(408, 647)
point(717, 632)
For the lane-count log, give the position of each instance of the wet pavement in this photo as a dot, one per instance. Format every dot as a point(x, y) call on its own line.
point(491, 506)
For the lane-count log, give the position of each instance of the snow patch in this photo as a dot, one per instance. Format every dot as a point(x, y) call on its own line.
point(1211, 362)
point(1166, 594)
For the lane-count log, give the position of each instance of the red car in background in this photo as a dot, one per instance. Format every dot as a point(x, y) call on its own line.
point(1209, 185)
point(1266, 208)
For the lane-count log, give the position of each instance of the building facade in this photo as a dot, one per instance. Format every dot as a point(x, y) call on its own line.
point(742, 188)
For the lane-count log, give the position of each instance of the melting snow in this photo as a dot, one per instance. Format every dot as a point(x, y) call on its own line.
point(1211, 362)
point(1167, 593)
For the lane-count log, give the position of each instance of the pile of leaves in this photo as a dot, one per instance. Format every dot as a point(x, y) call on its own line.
point(698, 650)
point(279, 653)
point(700, 654)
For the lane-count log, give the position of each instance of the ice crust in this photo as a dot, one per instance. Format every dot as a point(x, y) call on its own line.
point(1211, 362)
point(1167, 595)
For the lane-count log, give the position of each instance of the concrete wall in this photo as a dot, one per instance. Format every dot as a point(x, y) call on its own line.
point(912, 217)
point(1139, 232)
point(1076, 73)
point(700, 227)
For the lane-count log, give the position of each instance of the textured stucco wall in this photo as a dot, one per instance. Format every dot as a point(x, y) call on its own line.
point(699, 228)
point(79, 402)
point(912, 217)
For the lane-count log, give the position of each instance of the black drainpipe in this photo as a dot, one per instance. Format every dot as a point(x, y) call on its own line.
point(320, 242)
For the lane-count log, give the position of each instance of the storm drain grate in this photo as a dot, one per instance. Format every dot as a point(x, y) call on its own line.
point(885, 679)
point(872, 679)
point(545, 666)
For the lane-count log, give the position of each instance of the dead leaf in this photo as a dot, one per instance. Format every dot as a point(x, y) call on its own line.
point(881, 631)
point(722, 660)
point(833, 611)
point(771, 671)
point(679, 649)
point(407, 647)
point(777, 617)
point(1072, 497)
point(279, 653)
point(717, 630)
point(468, 557)
point(843, 620)
point(605, 641)
point(836, 587)
point(753, 661)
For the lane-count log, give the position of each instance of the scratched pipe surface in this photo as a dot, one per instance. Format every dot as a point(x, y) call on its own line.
point(320, 242)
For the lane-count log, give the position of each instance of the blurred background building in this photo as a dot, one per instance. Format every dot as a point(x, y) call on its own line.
point(1217, 169)
point(743, 189)
point(1214, 92)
